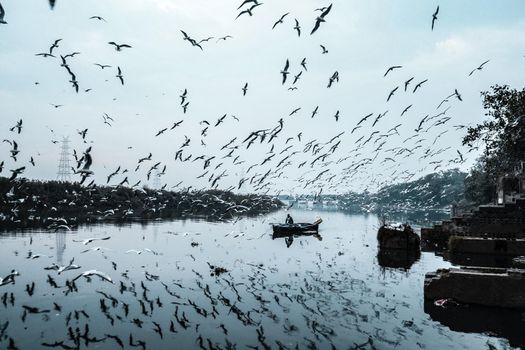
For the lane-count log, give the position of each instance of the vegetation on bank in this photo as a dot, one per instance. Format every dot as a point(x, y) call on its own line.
point(27, 203)
point(501, 138)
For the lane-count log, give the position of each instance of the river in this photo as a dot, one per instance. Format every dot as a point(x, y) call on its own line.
point(318, 292)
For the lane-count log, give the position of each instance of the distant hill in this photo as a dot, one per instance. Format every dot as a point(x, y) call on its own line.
point(433, 191)
point(438, 190)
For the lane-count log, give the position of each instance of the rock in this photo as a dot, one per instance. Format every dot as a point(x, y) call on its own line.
point(398, 236)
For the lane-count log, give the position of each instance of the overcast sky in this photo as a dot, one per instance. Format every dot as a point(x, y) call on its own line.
point(363, 39)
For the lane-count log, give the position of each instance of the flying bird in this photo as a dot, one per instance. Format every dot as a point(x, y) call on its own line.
point(285, 72)
point(119, 47)
point(333, 78)
point(54, 46)
point(408, 83)
point(17, 127)
point(249, 10)
point(303, 64)
point(406, 110)
point(321, 19)
point(297, 77)
point(16, 172)
point(280, 20)
point(98, 17)
point(102, 66)
point(392, 93)
point(365, 118)
point(297, 27)
point(245, 89)
point(325, 51)
point(2, 15)
point(391, 69)
point(44, 55)
point(224, 38)
point(120, 76)
point(419, 85)
point(479, 68)
point(247, 2)
point(434, 17)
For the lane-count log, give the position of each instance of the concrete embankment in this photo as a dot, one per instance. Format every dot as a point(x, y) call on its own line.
point(482, 286)
point(482, 245)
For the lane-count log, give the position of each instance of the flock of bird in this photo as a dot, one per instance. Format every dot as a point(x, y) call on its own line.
point(325, 163)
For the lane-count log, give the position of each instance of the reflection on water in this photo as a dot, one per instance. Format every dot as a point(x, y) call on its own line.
point(194, 284)
point(289, 238)
point(396, 258)
point(60, 238)
point(480, 319)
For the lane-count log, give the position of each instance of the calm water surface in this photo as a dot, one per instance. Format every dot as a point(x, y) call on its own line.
point(319, 292)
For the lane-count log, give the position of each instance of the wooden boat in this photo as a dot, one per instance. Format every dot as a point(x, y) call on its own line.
point(299, 228)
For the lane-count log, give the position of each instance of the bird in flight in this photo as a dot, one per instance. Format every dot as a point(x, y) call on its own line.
point(434, 17)
point(365, 118)
point(98, 17)
point(391, 69)
point(17, 127)
point(245, 89)
point(303, 63)
point(297, 27)
point(392, 93)
point(285, 72)
point(333, 78)
point(321, 19)
point(102, 66)
point(249, 10)
point(2, 15)
point(247, 2)
point(325, 51)
point(408, 83)
point(419, 85)
point(120, 76)
point(192, 41)
point(44, 54)
point(54, 46)
point(479, 68)
point(280, 20)
point(119, 47)
point(224, 38)
point(16, 172)
point(405, 110)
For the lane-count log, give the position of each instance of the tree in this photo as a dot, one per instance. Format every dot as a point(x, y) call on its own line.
point(502, 138)
point(503, 135)
point(479, 187)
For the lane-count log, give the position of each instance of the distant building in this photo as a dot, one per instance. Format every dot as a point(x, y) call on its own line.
point(511, 186)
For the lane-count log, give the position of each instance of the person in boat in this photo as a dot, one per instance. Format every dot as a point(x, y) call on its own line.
point(289, 219)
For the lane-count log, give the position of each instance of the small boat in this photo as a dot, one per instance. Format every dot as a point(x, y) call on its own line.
point(299, 228)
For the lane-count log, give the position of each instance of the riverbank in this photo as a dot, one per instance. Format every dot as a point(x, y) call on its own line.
point(62, 205)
